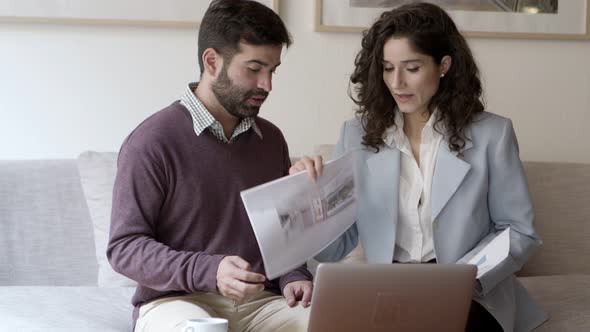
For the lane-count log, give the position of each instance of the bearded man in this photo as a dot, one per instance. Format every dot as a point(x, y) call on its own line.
point(178, 225)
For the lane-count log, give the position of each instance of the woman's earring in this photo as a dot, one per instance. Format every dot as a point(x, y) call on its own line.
point(442, 75)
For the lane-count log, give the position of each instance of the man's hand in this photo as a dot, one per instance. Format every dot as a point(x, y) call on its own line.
point(298, 291)
point(234, 279)
point(313, 165)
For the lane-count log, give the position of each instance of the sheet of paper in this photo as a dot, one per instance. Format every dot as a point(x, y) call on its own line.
point(294, 218)
point(492, 254)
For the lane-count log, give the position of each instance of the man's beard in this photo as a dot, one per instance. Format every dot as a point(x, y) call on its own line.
point(233, 98)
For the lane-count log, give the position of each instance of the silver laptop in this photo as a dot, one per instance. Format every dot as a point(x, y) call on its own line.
point(391, 297)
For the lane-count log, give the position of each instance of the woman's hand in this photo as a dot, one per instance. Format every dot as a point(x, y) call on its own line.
point(313, 165)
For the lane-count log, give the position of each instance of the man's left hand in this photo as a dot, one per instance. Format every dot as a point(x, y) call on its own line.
point(298, 291)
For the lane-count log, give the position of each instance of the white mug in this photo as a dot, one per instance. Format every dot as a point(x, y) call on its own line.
point(208, 324)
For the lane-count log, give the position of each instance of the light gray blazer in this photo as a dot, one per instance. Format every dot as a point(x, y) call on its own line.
point(474, 197)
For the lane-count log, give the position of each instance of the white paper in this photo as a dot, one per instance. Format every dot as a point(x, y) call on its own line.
point(294, 218)
point(492, 254)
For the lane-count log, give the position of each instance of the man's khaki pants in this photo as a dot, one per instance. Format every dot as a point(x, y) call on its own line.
point(266, 312)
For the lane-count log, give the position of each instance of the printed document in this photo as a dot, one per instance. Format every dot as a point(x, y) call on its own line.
point(492, 254)
point(294, 218)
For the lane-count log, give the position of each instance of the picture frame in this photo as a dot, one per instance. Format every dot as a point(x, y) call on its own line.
point(165, 13)
point(571, 21)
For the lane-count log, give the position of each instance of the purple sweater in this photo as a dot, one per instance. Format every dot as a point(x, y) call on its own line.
point(176, 204)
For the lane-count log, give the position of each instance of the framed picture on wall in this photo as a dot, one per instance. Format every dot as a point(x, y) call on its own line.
point(172, 13)
point(541, 19)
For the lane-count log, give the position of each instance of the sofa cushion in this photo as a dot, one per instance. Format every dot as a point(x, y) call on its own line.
point(97, 175)
point(66, 309)
point(566, 298)
point(560, 197)
point(46, 236)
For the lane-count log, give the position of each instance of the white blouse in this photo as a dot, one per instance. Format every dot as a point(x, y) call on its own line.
point(414, 240)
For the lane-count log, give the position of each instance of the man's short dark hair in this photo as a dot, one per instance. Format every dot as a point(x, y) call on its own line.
point(227, 22)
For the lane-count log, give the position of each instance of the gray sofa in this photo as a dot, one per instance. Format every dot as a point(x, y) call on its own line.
point(48, 263)
point(54, 221)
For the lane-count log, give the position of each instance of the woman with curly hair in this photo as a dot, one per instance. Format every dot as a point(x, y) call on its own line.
point(438, 177)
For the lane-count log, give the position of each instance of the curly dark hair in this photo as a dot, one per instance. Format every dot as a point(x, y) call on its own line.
point(430, 31)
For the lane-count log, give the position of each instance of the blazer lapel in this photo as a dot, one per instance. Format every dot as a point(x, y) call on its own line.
point(450, 170)
point(382, 200)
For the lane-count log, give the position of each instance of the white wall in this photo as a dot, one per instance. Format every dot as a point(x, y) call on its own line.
point(65, 89)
